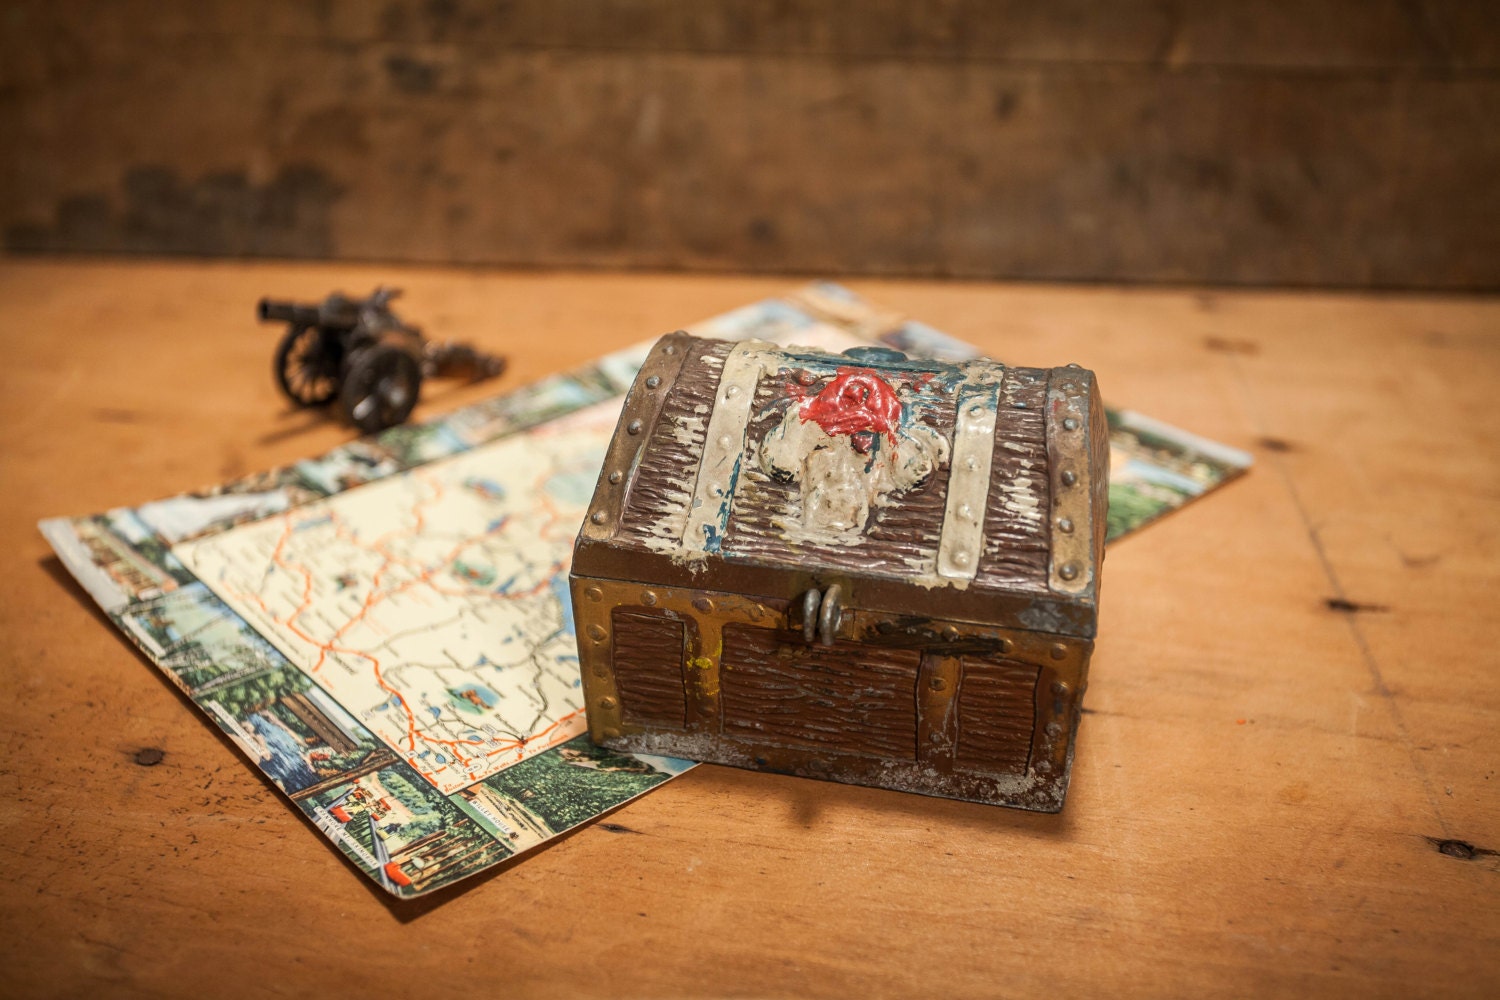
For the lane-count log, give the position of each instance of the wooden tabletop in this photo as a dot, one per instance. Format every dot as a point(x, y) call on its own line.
point(1287, 780)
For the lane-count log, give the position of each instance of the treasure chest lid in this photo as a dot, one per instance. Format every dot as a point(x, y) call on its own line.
point(969, 492)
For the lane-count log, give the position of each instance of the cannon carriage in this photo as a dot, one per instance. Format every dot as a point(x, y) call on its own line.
point(360, 353)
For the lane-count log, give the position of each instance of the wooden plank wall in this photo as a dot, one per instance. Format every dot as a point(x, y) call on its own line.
point(1323, 142)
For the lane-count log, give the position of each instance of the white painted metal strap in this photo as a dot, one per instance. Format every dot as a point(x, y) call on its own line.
point(723, 449)
point(962, 541)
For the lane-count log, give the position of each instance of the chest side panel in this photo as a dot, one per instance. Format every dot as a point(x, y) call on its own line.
point(770, 518)
point(648, 654)
point(778, 690)
point(1017, 537)
point(662, 483)
point(996, 715)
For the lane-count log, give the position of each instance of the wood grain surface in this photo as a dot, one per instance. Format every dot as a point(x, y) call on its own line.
point(996, 714)
point(650, 694)
point(1287, 778)
point(1294, 142)
point(782, 692)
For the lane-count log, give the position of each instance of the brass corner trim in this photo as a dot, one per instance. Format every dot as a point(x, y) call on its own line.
point(642, 407)
point(1071, 428)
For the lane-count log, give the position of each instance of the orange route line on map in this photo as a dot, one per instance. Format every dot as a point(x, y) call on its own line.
point(375, 596)
point(463, 760)
point(513, 744)
point(372, 598)
point(506, 595)
point(555, 515)
point(276, 557)
point(306, 591)
point(379, 546)
point(436, 486)
point(545, 530)
point(324, 649)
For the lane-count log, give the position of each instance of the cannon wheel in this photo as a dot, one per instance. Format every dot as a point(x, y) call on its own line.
point(306, 370)
point(380, 387)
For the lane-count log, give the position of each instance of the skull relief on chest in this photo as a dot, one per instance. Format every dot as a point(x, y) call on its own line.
point(848, 447)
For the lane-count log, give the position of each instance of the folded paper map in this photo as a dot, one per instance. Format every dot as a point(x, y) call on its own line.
point(385, 631)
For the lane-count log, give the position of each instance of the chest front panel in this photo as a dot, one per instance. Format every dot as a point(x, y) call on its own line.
point(777, 689)
point(720, 677)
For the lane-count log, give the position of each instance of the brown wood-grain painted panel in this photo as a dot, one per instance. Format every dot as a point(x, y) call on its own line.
point(648, 652)
point(1017, 539)
point(661, 491)
point(780, 691)
point(996, 715)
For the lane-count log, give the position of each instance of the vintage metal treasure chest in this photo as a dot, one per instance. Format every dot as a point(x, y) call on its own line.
point(856, 567)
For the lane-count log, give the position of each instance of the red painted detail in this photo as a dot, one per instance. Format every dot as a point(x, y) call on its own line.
point(395, 874)
point(340, 813)
point(857, 401)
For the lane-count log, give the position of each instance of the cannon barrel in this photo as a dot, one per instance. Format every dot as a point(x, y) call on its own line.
point(270, 310)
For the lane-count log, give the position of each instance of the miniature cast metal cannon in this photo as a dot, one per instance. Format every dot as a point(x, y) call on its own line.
point(359, 352)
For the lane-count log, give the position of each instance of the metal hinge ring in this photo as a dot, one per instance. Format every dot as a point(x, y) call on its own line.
point(821, 614)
